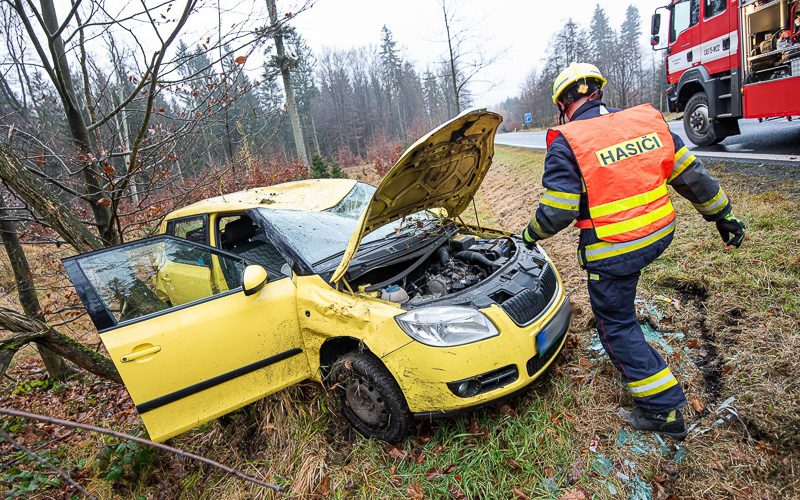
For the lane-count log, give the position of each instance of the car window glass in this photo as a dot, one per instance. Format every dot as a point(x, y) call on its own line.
point(140, 279)
point(190, 228)
point(714, 7)
point(251, 243)
point(355, 202)
point(319, 235)
point(685, 14)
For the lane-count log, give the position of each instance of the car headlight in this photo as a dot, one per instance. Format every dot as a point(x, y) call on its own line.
point(446, 326)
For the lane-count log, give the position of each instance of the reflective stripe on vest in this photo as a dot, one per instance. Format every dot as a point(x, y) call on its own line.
point(604, 249)
point(625, 159)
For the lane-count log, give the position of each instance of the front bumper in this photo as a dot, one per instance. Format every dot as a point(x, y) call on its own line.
point(428, 375)
point(672, 98)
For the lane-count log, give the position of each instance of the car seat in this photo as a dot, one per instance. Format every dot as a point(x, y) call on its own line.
point(241, 237)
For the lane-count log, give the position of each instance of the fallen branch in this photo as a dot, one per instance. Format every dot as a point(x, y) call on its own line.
point(120, 435)
point(27, 329)
point(10, 463)
point(64, 475)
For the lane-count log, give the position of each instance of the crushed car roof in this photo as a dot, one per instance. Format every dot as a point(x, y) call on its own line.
point(310, 194)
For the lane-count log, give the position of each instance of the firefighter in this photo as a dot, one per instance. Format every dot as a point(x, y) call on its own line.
point(609, 168)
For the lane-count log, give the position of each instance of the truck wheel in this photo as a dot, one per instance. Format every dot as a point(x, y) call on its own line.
point(700, 129)
point(370, 398)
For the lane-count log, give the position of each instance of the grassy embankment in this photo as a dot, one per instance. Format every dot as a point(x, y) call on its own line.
point(730, 330)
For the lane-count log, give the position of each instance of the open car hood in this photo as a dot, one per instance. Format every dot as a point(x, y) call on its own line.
point(443, 170)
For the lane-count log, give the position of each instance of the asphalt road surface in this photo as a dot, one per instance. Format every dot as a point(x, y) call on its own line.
point(773, 142)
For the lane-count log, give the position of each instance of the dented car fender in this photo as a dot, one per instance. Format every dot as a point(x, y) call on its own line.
point(325, 314)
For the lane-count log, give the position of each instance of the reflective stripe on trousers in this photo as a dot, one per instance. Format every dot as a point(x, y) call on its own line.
point(644, 371)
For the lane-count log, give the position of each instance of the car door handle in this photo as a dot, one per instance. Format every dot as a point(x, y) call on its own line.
point(140, 354)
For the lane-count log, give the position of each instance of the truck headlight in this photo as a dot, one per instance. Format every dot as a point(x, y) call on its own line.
point(446, 326)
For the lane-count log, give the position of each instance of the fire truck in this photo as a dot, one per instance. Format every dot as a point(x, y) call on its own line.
point(729, 59)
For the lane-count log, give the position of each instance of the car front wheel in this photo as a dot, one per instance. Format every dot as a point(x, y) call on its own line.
point(370, 398)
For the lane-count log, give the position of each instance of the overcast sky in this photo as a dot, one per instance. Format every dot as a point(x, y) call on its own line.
point(522, 27)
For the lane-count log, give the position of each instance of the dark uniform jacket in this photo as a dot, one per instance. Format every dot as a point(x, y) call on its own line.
point(566, 199)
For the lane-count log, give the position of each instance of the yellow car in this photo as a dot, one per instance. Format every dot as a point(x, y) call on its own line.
point(383, 293)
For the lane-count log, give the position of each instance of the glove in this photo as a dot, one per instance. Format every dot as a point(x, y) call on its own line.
point(731, 229)
point(529, 238)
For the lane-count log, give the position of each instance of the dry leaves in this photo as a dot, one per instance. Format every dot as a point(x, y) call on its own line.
point(519, 494)
point(577, 492)
point(414, 491)
point(456, 492)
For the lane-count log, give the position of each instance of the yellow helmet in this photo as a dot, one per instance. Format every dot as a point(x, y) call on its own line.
point(572, 74)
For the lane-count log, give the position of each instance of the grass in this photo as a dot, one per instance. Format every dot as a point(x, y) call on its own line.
point(731, 328)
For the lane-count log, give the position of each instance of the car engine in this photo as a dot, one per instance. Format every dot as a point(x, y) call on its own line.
point(457, 265)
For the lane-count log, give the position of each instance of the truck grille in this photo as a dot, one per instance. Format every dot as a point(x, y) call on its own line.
point(537, 362)
point(527, 305)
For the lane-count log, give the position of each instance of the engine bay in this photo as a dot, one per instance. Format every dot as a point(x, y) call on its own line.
point(462, 268)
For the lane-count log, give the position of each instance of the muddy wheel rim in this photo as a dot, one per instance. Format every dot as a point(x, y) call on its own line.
point(699, 120)
point(366, 402)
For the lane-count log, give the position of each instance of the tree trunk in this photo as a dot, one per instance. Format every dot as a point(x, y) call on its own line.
point(452, 58)
point(291, 106)
point(57, 368)
point(28, 330)
point(33, 191)
point(78, 129)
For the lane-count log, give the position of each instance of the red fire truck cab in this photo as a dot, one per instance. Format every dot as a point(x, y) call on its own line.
point(729, 59)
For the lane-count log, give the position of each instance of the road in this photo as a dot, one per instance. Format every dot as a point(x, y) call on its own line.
point(773, 142)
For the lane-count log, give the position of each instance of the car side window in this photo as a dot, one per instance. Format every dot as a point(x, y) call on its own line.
point(190, 228)
point(139, 279)
point(685, 14)
point(713, 7)
point(238, 234)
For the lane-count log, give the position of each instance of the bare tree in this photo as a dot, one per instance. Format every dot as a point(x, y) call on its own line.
point(284, 63)
point(116, 132)
point(465, 57)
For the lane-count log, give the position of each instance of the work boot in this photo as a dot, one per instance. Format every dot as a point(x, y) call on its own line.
point(669, 423)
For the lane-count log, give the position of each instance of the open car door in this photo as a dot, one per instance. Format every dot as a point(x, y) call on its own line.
point(188, 343)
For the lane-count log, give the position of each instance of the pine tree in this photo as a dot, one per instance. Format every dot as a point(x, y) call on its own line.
point(628, 67)
point(392, 68)
point(602, 40)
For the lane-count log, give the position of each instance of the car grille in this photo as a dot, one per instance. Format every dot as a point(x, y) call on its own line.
point(498, 378)
point(537, 362)
point(527, 305)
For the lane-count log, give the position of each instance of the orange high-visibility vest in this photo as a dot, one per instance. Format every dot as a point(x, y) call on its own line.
point(625, 159)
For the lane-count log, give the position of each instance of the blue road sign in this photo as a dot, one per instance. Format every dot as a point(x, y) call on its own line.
point(528, 118)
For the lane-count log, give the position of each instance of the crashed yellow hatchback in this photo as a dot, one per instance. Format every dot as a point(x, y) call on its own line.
point(384, 294)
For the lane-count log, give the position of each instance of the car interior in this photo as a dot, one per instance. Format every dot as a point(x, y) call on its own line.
point(240, 235)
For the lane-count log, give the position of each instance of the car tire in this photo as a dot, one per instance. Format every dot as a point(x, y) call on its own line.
point(699, 127)
point(369, 397)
